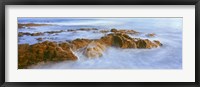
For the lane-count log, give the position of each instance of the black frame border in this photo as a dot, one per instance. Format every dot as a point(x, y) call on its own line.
point(98, 2)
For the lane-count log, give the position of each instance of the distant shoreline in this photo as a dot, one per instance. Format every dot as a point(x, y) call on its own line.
point(31, 25)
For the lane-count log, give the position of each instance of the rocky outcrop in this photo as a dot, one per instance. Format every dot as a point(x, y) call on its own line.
point(82, 29)
point(94, 50)
point(118, 40)
point(104, 31)
point(52, 51)
point(87, 29)
point(53, 32)
point(124, 41)
point(146, 44)
point(71, 30)
point(124, 31)
point(23, 56)
point(31, 25)
point(151, 35)
point(157, 42)
point(113, 30)
point(79, 43)
point(37, 34)
point(108, 40)
point(20, 34)
point(39, 39)
point(42, 52)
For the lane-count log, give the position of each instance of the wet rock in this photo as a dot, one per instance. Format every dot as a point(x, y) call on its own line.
point(31, 25)
point(87, 29)
point(104, 31)
point(79, 43)
point(157, 42)
point(113, 30)
point(65, 45)
point(52, 32)
point(37, 34)
point(20, 34)
point(23, 55)
point(52, 51)
point(94, 50)
point(151, 35)
point(71, 30)
point(124, 41)
point(39, 39)
point(108, 40)
point(146, 44)
point(82, 29)
point(124, 31)
point(118, 40)
point(42, 52)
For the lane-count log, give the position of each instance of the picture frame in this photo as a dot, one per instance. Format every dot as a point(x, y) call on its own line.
point(98, 2)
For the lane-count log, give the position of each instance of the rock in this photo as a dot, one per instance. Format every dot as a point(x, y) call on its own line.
point(104, 31)
point(146, 44)
point(52, 51)
point(52, 32)
point(31, 25)
point(128, 31)
point(43, 52)
point(123, 41)
point(39, 39)
point(64, 46)
point(20, 34)
point(23, 56)
point(82, 29)
point(158, 42)
point(37, 34)
point(71, 30)
point(107, 40)
point(151, 35)
point(118, 40)
point(87, 29)
point(79, 43)
point(94, 50)
point(124, 31)
point(113, 30)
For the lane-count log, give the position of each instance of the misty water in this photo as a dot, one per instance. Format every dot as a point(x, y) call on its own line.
point(168, 31)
